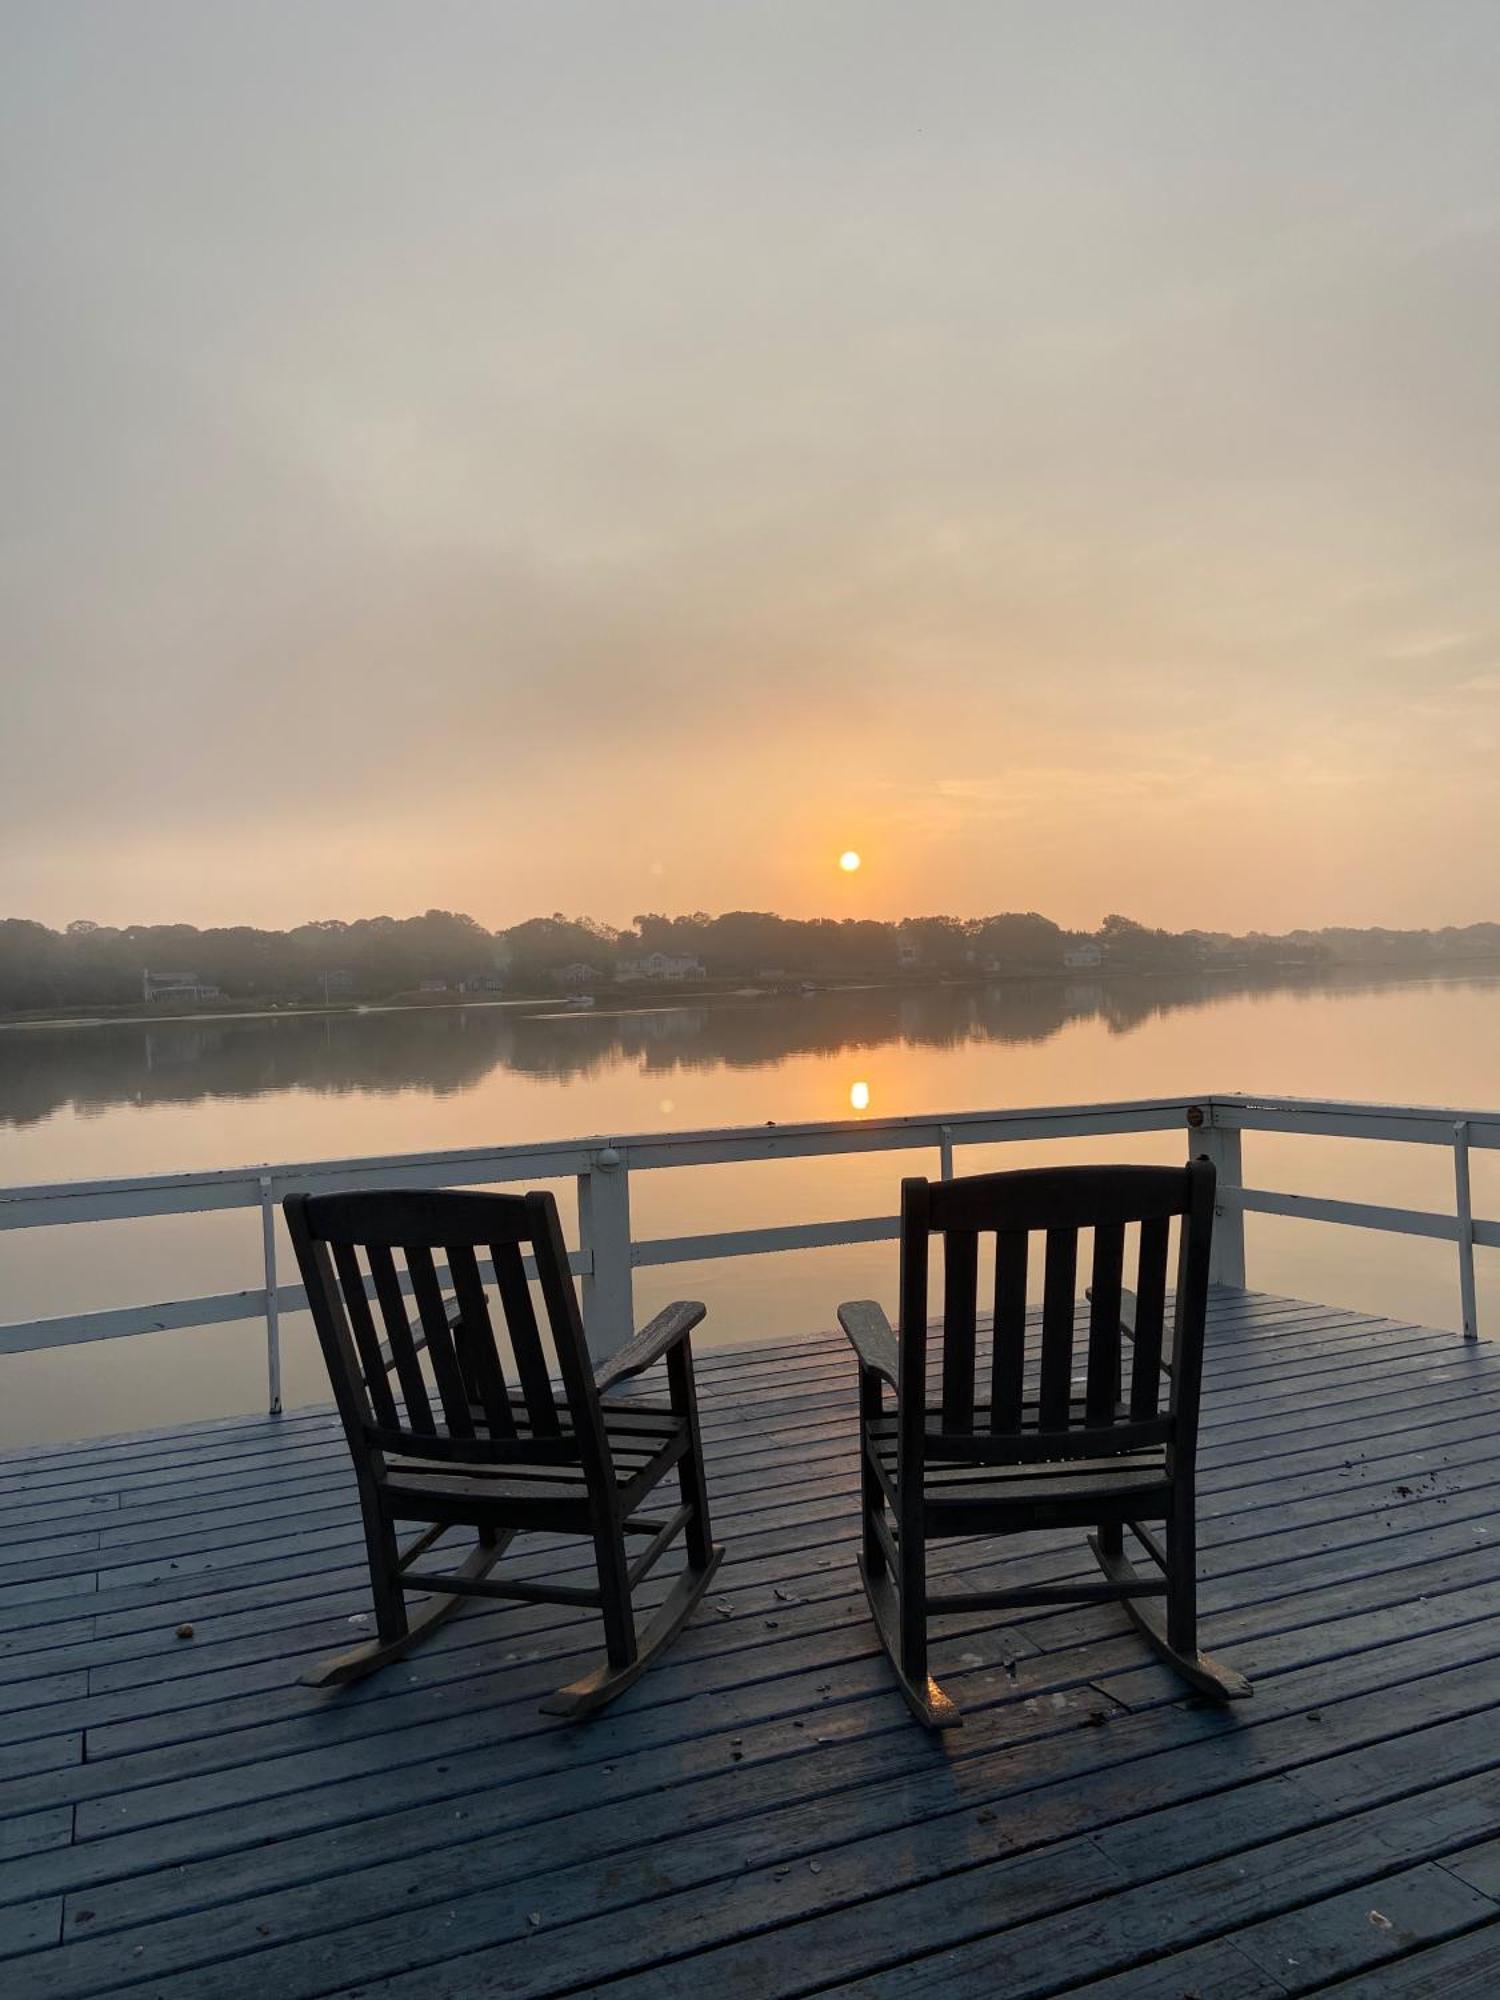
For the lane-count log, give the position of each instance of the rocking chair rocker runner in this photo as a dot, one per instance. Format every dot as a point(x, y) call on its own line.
point(1024, 1451)
point(439, 1437)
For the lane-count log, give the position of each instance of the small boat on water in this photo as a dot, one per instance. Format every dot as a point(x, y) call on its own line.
point(579, 1000)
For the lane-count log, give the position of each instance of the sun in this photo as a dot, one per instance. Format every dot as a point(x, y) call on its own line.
point(849, 861)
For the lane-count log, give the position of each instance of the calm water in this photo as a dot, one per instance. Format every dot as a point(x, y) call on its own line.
point(128, 1098)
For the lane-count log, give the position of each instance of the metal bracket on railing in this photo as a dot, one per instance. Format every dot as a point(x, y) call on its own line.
point(1464, 1204)
point(273, 1312)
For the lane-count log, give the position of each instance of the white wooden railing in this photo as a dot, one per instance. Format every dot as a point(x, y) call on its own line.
point(608, 1254)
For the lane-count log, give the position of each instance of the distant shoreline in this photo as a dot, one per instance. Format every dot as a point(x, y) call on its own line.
point(678, 995)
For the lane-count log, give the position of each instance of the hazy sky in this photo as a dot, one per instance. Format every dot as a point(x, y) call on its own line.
point(542, 455)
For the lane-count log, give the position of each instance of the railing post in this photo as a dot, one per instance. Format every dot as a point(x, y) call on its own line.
point(1465, 1206)
point(945, 1152)
point(604, 1231)
point(273, 1311)
point(1221, 1144)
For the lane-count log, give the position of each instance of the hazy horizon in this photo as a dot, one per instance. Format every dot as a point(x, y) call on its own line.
point(623, 926)
point(560, 456)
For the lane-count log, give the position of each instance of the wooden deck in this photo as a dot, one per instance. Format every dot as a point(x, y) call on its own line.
point(761, 1816)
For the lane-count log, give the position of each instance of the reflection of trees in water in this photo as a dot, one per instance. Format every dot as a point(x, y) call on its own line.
point(445, 1050)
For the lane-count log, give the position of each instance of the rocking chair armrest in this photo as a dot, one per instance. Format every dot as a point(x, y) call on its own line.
point(671, 1325)
point(869, 1334)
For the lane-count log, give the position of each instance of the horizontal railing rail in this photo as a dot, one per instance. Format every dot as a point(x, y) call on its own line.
point(608, 1254)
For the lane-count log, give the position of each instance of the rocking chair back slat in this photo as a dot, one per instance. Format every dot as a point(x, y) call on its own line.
point(347, 1371)
point(405, 1360)
point(1189, 1312)
point(1150, 1313)
point(1059, 1285)
point(474, 1338)
point(561, 1302)
point(960, 1288)
point(526, 1337)
point(1102, 1392)
point(1008, 1359)
point(441, 1351)
point(366, 1339)
point(915, 1212)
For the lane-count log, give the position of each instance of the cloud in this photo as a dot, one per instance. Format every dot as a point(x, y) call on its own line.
point(1430, 646)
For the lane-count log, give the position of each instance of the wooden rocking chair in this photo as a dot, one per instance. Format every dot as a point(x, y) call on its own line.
point(1027, 1451)
point(438, 1435)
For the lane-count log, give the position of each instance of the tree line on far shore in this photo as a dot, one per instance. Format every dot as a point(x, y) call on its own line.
point(101, 965)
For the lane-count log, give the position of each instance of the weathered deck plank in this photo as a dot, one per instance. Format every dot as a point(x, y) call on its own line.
point(182, 1818)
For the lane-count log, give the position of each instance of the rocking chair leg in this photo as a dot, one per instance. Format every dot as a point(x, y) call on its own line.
point(900, 1616)
point(1182, 1579)
point(690, 1480)
point(385, 1573)
point(393, 1642)
point(614, 1591)
point(1201, 1672)
point(582, 1697)
point(628, 1653)
point(913, 1604)
point(926, 1700)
